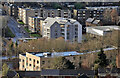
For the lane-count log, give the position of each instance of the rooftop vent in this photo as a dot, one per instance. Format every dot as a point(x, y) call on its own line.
point(46, 54)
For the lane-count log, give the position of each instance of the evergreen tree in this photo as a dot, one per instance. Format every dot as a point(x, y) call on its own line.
point(102, 61)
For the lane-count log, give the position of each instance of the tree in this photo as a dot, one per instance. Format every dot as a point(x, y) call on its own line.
point(114, 16)
point(62, 63)
point(102, 61)
point(111, 16)
point(106, 15)
point(5, 69)
point(56, 6)
point(79, 5)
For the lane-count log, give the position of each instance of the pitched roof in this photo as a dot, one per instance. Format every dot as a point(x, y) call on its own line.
point(49, 21)
point(96, 21)
point(106, 71)
point(90, 20)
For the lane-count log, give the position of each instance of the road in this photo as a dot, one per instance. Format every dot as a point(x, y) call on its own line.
point(17, 30)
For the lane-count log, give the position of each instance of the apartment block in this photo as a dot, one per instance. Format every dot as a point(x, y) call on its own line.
point(13, 10)
point(54, 13)
point(91, 12)
point(36, 61)
point(20, 13)
point(35, 24)
point(24, 13)
point(27, 13)
point(68, 29)
point(81, 15)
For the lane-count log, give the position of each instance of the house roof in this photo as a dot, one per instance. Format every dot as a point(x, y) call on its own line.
point(90, 20)
point(56, 72)
point(11, 74)
point(49, 21)
point(96, 21)
point(54, 54)
point(106, 71)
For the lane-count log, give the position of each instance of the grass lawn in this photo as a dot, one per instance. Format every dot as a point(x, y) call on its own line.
point(27, 30)
point(8, 33)
point(35, 35)
point(32, 34)
point(20, 22)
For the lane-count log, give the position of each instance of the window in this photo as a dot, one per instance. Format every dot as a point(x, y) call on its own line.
point(76, 33)
point(68, 25)
point(67, 37)
point(62, 29)
point(37, 68)
point(76, 26)
point(37, 62)
point(61, 25)
point(34, 60)
point(43, 62)
point(34, 66)
point(30, 59)
point(76, 37)
point(48, 61)
point(62, 34)
point(29, 64)
point(67, 33)
point(76, 29)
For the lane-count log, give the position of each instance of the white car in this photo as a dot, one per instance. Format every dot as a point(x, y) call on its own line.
point(19, 26)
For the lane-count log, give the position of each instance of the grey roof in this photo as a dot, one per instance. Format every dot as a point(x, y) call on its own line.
point(90, 20)
point(106, 71)
point(96, 21)
point(50, 72)
point(29, 73)
point(49, 21)
point(54, 54)
point(56, 72)
point(11, 74)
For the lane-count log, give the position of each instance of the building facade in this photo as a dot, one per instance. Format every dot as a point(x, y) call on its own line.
point(35, 24)
point(25, 13)
point(92, 12)
point(36, 61)
point(69, 29)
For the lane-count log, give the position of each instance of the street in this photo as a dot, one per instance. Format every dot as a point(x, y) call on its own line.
point(16, 29)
